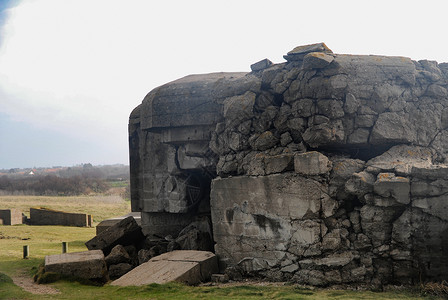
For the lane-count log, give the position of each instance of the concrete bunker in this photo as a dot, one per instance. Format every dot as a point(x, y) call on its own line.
point(325, 169)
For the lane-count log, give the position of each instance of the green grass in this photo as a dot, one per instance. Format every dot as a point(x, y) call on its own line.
point(74, 290)
point(42, 240)
point(46, 240)
point(115, 184)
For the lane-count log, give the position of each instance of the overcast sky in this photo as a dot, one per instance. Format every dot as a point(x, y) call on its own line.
point(71, 71)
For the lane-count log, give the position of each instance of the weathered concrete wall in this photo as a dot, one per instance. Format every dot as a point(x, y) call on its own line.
point(11, 216)
point(324, 169)
point(52, 217)
point(286, 225)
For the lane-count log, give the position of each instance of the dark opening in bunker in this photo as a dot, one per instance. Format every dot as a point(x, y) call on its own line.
point(197, 193)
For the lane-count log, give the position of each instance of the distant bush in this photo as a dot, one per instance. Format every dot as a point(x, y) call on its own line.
point(50, 185)
point(110, 172)
point(127, 193)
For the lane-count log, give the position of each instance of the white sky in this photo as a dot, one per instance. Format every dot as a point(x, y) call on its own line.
point(73, 70)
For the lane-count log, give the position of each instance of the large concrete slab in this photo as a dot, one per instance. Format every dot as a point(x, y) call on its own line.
point(87, 264)
point(186, 266)
point(103, 225)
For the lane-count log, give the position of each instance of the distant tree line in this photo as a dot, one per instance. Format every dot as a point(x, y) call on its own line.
point(110, 172)
point(51, 185)
point(78, 180)
point(107, 172)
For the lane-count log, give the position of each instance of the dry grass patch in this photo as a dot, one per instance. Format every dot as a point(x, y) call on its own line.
point(100, 206)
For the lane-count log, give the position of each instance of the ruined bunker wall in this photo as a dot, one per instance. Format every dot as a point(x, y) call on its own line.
point(171, 163)
point(332, 221)
point(330, 168)
point(42, 216)
point(11, 216)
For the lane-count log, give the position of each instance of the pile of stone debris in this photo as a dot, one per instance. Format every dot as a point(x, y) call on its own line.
point(122, 247)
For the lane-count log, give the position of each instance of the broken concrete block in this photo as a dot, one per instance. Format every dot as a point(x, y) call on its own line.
point(306, 232)
point(332, 240)
point(125, 232)
point(239, 108)
point(261, 65)
point(394, 128)
point(360, 184)
point(207, 260)
point(426, 188)
point(161, 272)
point(389, 185)
point(196, 236)
point(263, 141)
point(195, 239)
point(278, 163)
point(88, 264)
point(143, 256)
point(117, 255)
point(103, 225)
point(118, 270)
point(311, 163)
point(317, 60)
point(329, 206)
point(186, 266)
point(402, 159)
point(435, 206)
point(299, 52)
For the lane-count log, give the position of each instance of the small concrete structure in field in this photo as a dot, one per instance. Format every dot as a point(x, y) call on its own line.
point(186, 266)
point(87, 264)
point(11, 216)
point(103, 225)
point(44, 216)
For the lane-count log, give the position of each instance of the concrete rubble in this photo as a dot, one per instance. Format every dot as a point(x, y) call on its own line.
point(190, 267)
point(125, 232)
point(325, 169)
point(103, 225)
point(88, 265)
point(120, 248)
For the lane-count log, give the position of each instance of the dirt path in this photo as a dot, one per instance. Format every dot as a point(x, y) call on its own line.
point(27, 283)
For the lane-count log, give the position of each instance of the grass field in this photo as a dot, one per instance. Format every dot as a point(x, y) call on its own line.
point(101, 207)
point(46, 240)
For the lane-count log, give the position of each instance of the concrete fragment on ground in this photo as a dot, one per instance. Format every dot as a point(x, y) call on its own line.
point(125, 232)
point(87, 264)
point(117, 255)
point(103, 225)
point(118, 270)
point(186, 266)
